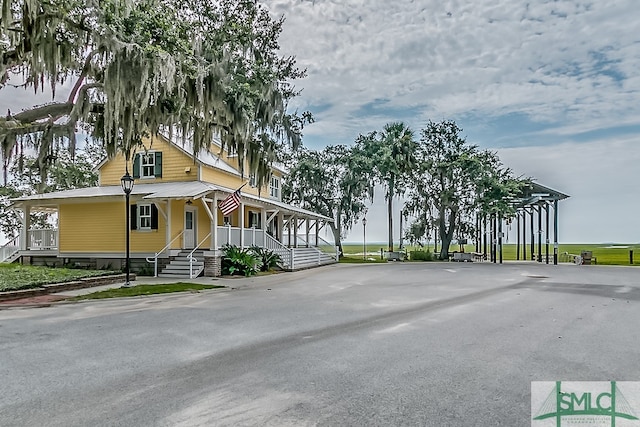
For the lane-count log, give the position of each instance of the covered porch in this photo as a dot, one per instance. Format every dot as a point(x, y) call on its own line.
point(167, 220)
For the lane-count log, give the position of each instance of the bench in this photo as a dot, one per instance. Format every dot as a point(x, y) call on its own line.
point(463, 257)
point(478, 256)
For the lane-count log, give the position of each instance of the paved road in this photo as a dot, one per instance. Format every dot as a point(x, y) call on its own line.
point(433, 344)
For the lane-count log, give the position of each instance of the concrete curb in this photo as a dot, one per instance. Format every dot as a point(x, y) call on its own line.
point(87, 282)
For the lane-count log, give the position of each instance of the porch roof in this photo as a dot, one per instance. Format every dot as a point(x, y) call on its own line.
point(162, 190)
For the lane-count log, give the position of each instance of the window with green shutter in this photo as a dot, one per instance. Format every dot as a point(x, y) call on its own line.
point(148, 165)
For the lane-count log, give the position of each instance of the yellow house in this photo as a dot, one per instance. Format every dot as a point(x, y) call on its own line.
point(175, 221)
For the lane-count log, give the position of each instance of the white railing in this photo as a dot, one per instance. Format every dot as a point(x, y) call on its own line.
point(253, 237)
point(42, 239)
point(323, 245)
point(193, 259)
point(228, 235)
point(274, 245)
point(10, 248)
point(154, 259)
point(231, 235)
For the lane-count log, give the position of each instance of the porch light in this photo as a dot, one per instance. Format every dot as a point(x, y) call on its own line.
point(127, 185)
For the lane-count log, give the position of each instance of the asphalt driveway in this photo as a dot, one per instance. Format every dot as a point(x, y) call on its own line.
point(429, 344)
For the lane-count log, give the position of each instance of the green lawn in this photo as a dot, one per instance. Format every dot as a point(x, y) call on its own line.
point(606, 254)
point(139, 290)
point(17, 276)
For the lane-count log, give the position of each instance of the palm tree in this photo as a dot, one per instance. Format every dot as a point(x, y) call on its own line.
point(392, 152)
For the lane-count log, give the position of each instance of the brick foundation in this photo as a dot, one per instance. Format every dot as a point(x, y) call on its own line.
point(212, 263)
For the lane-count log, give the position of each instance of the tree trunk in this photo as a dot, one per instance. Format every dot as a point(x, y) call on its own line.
point(336, 237)
point(446, 235)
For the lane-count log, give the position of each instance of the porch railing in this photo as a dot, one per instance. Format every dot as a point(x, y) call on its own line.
point(154, 259)
point(42, 239)
point(285, 253)
point(10, 248)
point(231, 236)
point(193, 259)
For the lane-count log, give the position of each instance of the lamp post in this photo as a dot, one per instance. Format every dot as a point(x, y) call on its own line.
point(127, 185)
point(364, 238)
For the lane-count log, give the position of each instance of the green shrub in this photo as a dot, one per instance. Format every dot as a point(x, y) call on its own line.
point(421, 255)
point(267, 259)
point(238, 261)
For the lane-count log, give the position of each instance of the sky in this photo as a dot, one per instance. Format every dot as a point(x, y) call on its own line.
point(552, 86)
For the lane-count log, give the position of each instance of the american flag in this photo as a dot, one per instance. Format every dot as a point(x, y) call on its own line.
point(231, 203)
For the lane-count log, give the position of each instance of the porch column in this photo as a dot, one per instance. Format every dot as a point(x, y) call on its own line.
point(263, 226)
point(214, 231)
point(26, 225)
point(168, 224)
point(295, 231)
point(317, 231)
point(307, 232)
point(279, 228)
point(241, 222)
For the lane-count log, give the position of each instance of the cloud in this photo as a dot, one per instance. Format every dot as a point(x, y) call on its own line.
point(557, 62)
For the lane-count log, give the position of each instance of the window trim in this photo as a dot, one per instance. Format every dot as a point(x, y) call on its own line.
point(140, 216)
point(274, 188)
point(149, 155)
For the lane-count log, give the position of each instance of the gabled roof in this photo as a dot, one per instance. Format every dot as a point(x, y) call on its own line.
point(535, 193)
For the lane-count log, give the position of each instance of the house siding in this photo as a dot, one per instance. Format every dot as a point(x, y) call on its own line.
point(174, 164)
point(100, 227)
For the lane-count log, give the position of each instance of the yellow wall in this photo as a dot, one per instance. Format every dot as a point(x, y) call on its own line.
point(174, 163)
point(99, 227)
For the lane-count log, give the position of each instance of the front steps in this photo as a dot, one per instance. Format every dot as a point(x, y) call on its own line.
point(178, 268)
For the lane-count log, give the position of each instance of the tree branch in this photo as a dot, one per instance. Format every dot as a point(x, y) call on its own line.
point(83, 75)
point(58, 109)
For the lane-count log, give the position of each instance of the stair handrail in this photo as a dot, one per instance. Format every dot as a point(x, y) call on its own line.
point(270, 238)
point(9, 248)
point(191, 258)
point(154, 259)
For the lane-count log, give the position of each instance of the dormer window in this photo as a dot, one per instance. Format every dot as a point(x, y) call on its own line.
point(148, 165)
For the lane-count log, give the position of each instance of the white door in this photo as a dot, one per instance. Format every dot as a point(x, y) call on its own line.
point(189, 228)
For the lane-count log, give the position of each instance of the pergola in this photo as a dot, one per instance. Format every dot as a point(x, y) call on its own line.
point(534, 203)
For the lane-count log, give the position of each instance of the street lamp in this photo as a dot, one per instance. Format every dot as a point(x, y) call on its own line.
point(127, 185)
point(364, 238)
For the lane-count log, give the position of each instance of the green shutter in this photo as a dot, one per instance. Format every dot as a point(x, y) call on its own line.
point(136, 166)
point(154, 217)
point(133, 219)
point(158, 168)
